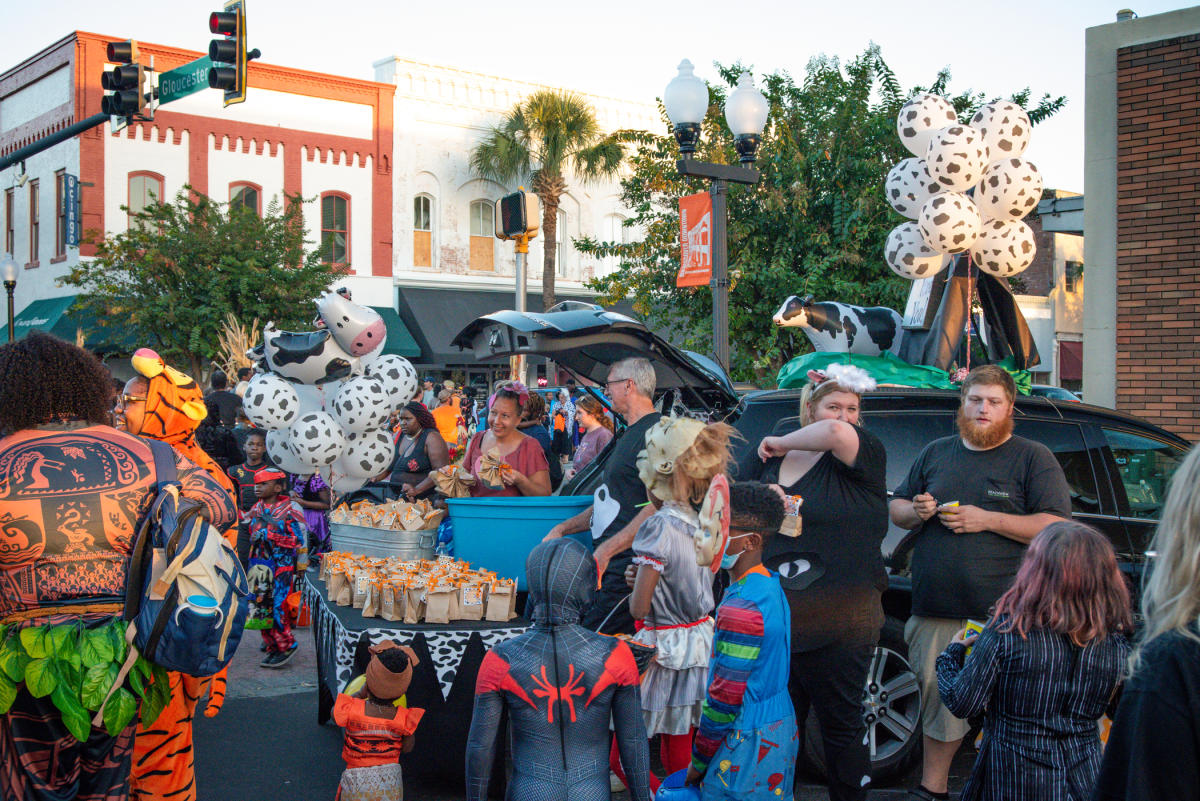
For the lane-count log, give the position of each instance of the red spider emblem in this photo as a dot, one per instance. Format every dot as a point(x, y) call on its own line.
point(566, 693)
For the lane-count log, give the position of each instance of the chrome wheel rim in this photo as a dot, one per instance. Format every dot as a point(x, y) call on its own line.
point(891, 704)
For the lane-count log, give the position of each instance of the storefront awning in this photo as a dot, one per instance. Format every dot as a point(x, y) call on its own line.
point(55, 316)
point(1070, 361)
point(399, 340)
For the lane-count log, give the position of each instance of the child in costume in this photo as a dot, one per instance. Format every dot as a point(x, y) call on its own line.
point(672, 594)
point(747, 742)
point(379, 726)
point(314, 498)
point(276, 533)
point(163, 759)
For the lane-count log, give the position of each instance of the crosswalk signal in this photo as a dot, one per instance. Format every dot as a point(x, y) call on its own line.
point(517, 216)
point(228, 53)
point(126, 81)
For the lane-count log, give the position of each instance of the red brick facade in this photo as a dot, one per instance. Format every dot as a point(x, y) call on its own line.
point(1158, 233)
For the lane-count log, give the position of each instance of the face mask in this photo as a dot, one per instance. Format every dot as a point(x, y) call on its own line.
point(728, 560)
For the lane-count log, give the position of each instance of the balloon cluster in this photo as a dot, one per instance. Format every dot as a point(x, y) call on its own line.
point(965, 190)
point(325, 396)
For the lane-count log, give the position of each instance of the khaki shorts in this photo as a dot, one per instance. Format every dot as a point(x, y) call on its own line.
point(927, 637)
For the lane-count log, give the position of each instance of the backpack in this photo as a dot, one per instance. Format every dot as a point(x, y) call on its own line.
point(186, 595)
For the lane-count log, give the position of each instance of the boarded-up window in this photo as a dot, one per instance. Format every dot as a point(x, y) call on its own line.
point(422, 231)
point(483, 232)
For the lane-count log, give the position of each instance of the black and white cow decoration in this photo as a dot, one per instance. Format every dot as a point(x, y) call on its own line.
point(842, 328)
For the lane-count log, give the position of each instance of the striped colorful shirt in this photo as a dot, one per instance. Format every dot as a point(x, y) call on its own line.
point(749, 664)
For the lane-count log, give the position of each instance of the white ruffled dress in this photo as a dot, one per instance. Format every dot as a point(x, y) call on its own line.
point(679, 625)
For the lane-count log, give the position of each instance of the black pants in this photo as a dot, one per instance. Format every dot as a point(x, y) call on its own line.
point(830, 681)
point(610, 597)
point(243, 544)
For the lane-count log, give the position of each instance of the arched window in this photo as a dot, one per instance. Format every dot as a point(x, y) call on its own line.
point(335, 228)
point(562, 244)
point(245, 195)
point(145, 189)
point(483, 235)
point(422, 231)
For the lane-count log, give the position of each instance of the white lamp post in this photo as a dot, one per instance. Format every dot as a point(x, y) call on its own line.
point(8, 266)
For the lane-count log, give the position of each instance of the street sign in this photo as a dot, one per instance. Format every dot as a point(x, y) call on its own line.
point(185, 80)
point(72, 210)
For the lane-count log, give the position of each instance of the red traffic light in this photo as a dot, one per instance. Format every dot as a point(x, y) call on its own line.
point(223, 22)
point(122, 52)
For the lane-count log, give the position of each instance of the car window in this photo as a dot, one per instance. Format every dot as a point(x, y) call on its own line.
point(1065, 441)
point(904, 436)
point(1146, 466)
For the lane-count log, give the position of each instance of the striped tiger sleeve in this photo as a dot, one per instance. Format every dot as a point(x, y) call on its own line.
point(736, 643)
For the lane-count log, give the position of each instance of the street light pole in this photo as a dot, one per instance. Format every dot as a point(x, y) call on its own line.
point(686, 103)
point(9, 267)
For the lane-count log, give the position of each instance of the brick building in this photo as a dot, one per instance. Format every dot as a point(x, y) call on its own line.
point(1142, 183)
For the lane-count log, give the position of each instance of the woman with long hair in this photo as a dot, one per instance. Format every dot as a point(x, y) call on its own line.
point(598, 430)
point(1043, 670)
point(1154, 746)
point(420, 451)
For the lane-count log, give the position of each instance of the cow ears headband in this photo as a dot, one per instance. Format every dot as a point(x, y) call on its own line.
point(148, 364)
point(847, 377)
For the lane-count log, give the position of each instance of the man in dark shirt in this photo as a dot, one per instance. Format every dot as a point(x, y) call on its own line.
point(619, 504)
point(976, 500)
point(225, 402)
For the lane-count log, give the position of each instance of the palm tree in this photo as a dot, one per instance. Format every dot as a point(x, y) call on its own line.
point(540, 138)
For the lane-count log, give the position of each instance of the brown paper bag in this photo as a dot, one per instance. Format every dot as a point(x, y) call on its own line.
point(502, 601)
point(335, 583)
point(414, 603)
point(362, 583)
point(437, 603)
point(374, 599)
point(472, 600)
point(492, 469)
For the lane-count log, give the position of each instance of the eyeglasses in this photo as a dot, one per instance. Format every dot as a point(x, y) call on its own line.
point(125, 400)
point(608, 384)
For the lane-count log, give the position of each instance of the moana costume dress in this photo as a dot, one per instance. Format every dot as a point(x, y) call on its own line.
point(70, 497)
point(163, 759)
point(561, 685)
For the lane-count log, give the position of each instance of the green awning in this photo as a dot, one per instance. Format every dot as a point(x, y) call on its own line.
point(399, 340)
point(54, 316)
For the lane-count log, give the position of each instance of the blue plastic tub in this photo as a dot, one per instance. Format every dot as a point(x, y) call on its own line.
point(498, 533)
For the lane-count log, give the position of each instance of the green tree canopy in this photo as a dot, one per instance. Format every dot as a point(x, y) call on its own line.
point(815, 223)
point(541, 138)
point(183, 266)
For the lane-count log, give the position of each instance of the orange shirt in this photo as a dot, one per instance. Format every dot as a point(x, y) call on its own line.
point(372, 741)
point(446, 417)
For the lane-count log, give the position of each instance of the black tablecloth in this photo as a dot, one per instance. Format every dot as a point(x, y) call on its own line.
point(443, 683)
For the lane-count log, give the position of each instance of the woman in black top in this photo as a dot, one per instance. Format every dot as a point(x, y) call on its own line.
point(420, 452)
point(833, 572)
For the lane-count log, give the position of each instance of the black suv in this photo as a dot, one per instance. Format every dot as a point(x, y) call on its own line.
point(1117, 467)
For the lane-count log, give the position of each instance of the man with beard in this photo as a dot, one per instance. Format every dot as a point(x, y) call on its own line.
point(975, 500)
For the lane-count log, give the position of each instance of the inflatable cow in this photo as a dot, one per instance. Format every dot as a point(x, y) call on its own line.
point(347, 334)
point(842, 328)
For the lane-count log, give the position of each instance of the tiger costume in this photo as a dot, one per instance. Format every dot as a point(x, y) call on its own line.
point(163, 757)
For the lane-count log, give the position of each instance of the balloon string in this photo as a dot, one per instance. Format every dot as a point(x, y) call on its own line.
point(970, 306)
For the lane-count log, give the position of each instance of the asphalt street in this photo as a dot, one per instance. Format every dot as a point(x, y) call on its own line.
point(265, 745)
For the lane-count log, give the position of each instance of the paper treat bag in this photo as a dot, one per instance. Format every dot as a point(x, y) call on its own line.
point(502, 601)
point(438, 601)
point(373, 600)
point(335, 583)
point(362, 583)
point(414, 602)
point(472, 601)
point(391, 601)
point(454, 482)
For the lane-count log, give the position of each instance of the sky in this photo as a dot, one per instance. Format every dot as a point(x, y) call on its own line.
point(630, 48)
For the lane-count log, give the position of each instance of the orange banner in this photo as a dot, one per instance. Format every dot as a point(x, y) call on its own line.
point(695, 240)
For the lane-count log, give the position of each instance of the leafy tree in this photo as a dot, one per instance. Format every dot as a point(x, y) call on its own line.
point(182, 267)
point(541, 138)
point(815, 223)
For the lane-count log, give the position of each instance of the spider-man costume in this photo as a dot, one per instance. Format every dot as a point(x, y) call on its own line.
point(561, 684)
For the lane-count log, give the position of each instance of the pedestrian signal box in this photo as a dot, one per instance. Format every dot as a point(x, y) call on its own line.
point(517, 215)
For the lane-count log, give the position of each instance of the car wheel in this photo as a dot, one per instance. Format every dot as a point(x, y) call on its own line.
point(891, 710)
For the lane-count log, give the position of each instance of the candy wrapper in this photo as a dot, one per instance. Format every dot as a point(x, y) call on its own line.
point(791, 525)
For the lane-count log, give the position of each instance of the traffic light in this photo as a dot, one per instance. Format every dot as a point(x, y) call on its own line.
point(228, 54)
point(517, 215)
point(126, 81)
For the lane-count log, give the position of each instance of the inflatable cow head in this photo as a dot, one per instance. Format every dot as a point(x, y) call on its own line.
point(359, 330)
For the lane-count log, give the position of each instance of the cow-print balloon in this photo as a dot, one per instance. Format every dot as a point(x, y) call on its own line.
point(949, 222)
point(1005, 128)
point(366, 455)
point(908, 186)
point(956, 158)
point(398, 376)
point(908, 255)
point(920, 118)
point(270, 401)
point(317, 439)
point(1010, 189)
point(362, 404)
point(280, 453)
point(1004, 247)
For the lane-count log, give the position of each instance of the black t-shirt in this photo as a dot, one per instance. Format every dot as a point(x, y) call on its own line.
point(243, 481)
point(962, 575)
point(844, 518)
point(621, 494)
point(1153, 750)
point(226, 404)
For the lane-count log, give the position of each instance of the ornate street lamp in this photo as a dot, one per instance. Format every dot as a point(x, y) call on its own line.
point(8, 265)
point(686, 102)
